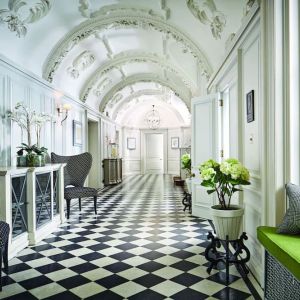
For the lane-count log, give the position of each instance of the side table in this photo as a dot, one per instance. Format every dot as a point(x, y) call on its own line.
point(214, 256)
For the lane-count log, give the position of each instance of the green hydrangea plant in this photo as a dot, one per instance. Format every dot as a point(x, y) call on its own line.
point(187, 164)
point(224, 178)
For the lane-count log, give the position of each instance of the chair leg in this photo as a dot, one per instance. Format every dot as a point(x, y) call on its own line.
point(79, 200)
point(1, 254)
point(95, 204)
point(68, 208)
point(5, 257)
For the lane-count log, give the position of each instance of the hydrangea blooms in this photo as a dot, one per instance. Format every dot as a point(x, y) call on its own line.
point(187, 164)
point(223, 178)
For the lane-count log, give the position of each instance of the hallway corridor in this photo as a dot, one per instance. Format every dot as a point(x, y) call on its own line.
point(141, 245)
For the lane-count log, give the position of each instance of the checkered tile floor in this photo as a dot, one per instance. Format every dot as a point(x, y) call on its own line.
point(141, 245)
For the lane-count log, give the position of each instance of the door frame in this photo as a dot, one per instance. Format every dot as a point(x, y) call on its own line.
point(144, 132)
point(96, 165)
point(201, 200)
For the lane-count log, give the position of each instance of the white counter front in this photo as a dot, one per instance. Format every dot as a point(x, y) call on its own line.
point(32, 203)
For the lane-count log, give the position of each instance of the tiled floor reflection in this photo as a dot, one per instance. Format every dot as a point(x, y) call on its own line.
point(141, 245)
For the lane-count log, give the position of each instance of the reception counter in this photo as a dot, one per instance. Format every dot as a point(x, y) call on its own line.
point(32, 203)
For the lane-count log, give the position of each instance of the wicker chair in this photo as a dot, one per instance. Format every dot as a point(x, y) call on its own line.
point(75, 173)
point(4, 235)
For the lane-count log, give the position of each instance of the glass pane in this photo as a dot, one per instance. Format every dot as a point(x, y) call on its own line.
point(43, 199)
point(55, 193)
point(19, 211)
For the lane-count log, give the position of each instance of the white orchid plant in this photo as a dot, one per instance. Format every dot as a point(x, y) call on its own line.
point(224, 179)
point(27, 120)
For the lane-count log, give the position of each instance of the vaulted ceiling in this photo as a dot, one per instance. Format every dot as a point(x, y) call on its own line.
point(118, 55)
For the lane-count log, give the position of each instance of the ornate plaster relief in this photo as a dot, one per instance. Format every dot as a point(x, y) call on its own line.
point(17, 18)
point(86, 10)
point(119, 19)
point(133, 57)
point(81, 63)
point(119, 106)
point(206, 12)
point(103, 84)
point(116, 98)
point(184, 95)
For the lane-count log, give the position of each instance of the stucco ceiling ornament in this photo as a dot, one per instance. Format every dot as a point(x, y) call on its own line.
point(103, 84)
point(81, 63)
point(206, 12)
point(86, 10)
point(116, 98)
point(125, 58)
point(117, 20)
point(135, 95)
point(17, 17)
point(179, 91)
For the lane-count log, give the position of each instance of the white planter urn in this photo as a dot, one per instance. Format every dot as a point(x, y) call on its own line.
point(188, 182)
point(227, 221)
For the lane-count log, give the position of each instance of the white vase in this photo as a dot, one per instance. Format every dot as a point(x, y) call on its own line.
point(227, 221)
point(188, 182)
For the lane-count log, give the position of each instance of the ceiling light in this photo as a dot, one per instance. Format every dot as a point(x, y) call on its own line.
point(152, 118)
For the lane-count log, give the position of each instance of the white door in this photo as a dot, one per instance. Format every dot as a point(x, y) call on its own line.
point(154, 158)
point(204, 147)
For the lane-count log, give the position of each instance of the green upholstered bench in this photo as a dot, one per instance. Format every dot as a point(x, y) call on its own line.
point(282, 264)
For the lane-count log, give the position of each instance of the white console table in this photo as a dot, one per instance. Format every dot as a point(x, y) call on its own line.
point(32, 203)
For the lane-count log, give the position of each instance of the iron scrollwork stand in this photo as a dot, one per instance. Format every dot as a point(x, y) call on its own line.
point(214, 256)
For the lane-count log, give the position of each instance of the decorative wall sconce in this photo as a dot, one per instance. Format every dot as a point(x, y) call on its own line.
point(63, 111)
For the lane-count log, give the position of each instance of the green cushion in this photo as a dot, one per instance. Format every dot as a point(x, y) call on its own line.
point(284, 247)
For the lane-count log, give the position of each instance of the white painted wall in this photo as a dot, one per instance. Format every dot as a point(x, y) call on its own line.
point(240, 73)
point(133, 159)
point(19, 85)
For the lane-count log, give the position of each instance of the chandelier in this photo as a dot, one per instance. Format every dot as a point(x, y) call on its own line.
point(152, 118)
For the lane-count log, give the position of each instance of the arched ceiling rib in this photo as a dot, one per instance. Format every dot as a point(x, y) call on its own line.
point(134, 57)
point(149, 96)
point(184, 95)
point(144, 92)
point(117, 20)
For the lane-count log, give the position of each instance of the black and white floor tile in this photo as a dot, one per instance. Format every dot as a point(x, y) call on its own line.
point(141, 245)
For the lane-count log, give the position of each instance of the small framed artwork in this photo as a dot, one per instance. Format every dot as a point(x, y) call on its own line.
point(131, 143)
point(174, 142)
point(250, 106)
point(77, 133)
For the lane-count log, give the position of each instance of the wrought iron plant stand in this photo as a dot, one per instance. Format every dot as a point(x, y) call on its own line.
point(214, 256)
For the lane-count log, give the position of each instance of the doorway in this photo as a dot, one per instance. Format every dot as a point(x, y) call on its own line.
point(154, 153)
point(94, 148)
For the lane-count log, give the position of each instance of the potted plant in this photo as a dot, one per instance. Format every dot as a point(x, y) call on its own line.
point(34, 156)
point(28, 120)
point(225, 179)
point(187, 166)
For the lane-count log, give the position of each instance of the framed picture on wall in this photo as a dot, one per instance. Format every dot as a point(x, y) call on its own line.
point(250, 106)
point(131, 143)
point(174, 142)
point(77, 133)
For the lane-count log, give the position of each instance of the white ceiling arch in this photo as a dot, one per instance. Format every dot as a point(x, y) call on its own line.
point(127, 57)
point(133, 115)
point(144, 92)
point(121, 19)
point(185, 95)
point(146, 96)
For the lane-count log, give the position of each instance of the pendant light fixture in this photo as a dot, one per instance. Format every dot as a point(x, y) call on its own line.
point(152, 118)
